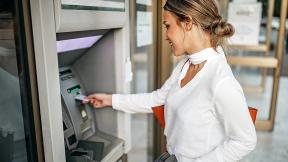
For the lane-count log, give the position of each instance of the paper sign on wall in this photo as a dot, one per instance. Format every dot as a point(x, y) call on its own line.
point(144, 28)
point(246, 18)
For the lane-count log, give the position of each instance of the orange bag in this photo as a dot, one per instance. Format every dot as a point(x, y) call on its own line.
point(159, 114)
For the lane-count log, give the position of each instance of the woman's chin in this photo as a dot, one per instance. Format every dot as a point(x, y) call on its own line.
point(177, 53)
point(174, 54)
point(174, 51)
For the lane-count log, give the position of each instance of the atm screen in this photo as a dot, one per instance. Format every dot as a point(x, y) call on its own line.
point(74, 90)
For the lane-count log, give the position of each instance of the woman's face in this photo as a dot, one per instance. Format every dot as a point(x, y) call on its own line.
point(184, 37)
point(175, 33)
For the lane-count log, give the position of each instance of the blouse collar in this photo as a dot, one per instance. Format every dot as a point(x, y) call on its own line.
point(201, 56)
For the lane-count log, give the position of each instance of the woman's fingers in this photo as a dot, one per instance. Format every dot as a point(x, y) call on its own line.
point(99, 100)
point(97, 96)
point(96, 103)
point(86, 100)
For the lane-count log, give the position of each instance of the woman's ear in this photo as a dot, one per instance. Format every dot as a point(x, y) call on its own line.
point(188, 23)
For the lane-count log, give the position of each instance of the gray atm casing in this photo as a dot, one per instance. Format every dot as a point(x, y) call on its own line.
point(81, 127)
point(74, 122)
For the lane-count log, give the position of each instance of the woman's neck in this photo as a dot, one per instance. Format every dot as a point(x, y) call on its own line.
point(197, 48)
point(200, 44)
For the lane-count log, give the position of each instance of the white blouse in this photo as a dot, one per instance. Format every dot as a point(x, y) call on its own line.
point(207, 120)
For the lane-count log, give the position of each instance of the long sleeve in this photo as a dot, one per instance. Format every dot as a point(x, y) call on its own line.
point(233, 113)
point(143, 102)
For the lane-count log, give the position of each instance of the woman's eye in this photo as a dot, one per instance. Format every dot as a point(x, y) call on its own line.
point(167, 26)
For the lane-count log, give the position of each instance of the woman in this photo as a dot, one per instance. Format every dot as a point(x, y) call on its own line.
point(206, 115)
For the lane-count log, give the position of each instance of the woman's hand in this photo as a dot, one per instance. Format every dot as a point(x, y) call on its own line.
point(99, 100)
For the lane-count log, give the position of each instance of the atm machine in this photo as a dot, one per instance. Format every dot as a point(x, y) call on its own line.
point(81, 71)
point(92, 51)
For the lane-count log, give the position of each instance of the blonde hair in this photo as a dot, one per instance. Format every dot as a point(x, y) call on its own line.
point(204, 13)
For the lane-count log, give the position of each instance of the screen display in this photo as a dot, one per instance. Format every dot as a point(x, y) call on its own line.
point(74, 90)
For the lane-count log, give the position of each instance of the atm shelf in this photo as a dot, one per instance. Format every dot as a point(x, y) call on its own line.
point(113, 147)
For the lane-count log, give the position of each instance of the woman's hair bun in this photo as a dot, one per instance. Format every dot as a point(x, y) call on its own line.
point(221, 28)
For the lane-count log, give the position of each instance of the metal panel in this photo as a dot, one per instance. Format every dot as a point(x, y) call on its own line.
point(44, 37)
point(68, 20)
point(96, 70)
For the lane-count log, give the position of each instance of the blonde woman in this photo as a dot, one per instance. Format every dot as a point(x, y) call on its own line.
point(206, 114)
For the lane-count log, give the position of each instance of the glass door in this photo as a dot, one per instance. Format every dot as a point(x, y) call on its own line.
point(17, 109)
point(143, 36)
